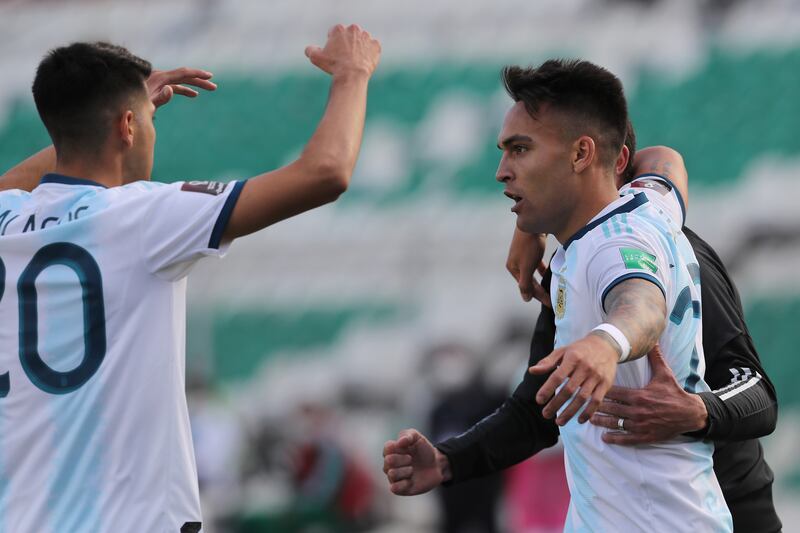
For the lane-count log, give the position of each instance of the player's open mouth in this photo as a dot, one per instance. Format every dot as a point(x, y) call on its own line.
point(517, 200)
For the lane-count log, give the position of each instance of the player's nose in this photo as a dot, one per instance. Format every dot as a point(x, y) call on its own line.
point(503, 173)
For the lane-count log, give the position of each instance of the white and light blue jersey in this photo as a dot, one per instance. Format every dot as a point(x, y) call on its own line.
point(668, 486)
point(94, 427)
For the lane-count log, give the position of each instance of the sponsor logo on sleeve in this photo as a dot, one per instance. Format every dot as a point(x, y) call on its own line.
point(653, 185)
point(638, 259)
point(214, 188)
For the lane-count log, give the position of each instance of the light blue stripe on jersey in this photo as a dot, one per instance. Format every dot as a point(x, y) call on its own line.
point(617, 228)
point(3, 484)
point(79, 468)
point(624, 218)
point(75, 490)
point(581, 499)
point(77, 486)
point(638, 200)
point(579, 469)
point(10, 201)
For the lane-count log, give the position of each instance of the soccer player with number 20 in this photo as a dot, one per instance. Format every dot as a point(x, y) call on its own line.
point(94, 429)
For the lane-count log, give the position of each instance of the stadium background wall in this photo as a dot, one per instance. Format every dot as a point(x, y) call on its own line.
point(339, 306)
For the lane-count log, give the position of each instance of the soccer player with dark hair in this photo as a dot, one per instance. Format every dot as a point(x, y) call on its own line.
point(624, 279)
point(741, 408)
point(95, 429)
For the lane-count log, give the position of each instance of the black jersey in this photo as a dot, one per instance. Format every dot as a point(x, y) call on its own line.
point(741, 408)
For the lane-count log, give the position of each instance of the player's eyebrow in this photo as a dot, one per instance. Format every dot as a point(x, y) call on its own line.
point(511, 139)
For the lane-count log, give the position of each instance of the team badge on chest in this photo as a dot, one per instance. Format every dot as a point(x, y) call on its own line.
point(561, 298)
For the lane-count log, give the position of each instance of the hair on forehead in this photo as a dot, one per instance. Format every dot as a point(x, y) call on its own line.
point(590, 98)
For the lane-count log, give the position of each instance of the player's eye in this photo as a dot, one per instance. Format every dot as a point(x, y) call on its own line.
point(519, 149)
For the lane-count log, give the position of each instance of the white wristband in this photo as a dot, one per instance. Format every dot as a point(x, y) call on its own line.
point(620, 338)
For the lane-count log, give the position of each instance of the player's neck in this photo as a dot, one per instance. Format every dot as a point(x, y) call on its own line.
point(106, 172)
point(591, 203)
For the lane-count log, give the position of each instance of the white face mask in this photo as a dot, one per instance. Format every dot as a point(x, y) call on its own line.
point(451, 372)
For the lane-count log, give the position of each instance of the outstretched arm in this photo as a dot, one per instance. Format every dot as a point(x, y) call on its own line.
point(637, 308)
point(161, 86)
point(323, 170)
point(514, 432)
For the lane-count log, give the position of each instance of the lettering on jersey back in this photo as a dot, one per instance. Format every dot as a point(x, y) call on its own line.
point(208, 187)
point(7, 217)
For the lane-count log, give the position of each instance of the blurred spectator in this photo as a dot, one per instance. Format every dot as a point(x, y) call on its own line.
point(461, 399)
point(331, 485)
point(328, 487)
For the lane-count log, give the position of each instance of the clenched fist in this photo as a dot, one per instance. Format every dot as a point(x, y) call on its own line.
point(413, 465)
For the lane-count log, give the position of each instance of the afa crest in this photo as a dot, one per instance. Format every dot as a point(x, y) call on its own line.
point(561, 299)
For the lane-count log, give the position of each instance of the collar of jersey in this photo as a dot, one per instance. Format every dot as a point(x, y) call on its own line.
point(68, 180)
point(638, 199)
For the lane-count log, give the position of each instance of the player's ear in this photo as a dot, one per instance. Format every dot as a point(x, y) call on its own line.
point(125, 128)
point(584, 152)
point(622, 161)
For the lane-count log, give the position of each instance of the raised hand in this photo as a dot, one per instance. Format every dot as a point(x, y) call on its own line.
point(162, 84)
point(586, 368)
point(348, 50)
point(413, 465)
point(659, 412)
point(524, 259)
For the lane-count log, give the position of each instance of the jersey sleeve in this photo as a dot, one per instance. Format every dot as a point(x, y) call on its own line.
point(662, 192)
point(186, 221)
point(623, 257)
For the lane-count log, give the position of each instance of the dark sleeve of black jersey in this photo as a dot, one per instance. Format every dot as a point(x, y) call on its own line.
point(515, 431)
point(743, 404)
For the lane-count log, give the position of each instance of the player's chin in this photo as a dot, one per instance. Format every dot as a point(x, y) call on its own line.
point(525, 224)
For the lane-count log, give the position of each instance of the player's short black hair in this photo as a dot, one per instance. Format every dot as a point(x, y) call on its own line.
point(591, 95)
point(630, 142)
point(79, 87)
